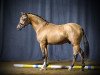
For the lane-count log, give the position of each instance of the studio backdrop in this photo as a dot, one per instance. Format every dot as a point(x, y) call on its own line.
point(23, 45)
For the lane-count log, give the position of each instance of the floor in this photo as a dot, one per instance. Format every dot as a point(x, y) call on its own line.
point(7, 68)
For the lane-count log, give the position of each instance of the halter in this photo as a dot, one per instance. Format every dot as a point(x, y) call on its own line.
point(28, 21)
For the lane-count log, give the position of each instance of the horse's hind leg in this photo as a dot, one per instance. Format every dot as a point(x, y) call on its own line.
point(81, 53)
point(76, 49)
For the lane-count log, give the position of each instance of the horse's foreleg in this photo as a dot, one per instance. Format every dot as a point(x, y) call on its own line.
point(45, 58)
point(44, 53)
point(82, 59)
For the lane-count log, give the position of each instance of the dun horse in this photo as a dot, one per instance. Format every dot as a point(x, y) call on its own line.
point(49, 33)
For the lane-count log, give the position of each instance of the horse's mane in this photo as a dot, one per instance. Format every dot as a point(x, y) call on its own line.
point(37, 16)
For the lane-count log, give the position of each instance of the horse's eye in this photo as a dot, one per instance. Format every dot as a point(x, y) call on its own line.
point(23, 19)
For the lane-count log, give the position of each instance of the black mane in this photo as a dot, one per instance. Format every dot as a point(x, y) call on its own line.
point(37, 16)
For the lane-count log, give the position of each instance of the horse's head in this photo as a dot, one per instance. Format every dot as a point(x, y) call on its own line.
point(24, 20)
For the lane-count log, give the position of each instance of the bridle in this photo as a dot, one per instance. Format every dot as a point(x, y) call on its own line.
point(23, 25)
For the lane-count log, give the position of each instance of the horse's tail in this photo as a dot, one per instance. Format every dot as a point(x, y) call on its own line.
point(85, 45)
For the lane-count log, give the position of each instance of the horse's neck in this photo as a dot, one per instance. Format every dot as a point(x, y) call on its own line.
point(36, 22)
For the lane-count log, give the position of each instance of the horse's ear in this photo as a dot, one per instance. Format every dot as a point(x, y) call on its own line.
point(22, 13)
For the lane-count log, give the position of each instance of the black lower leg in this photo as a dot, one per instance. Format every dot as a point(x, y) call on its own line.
point(82, 59)
point(45, 62)
point(74, 59)
point(43, 54)
point(45, 59)
point(83, 65)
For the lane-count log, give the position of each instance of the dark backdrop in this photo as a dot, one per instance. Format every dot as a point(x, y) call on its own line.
point(22, 45)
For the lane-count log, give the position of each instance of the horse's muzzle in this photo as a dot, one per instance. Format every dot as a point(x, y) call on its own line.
point(19, 27)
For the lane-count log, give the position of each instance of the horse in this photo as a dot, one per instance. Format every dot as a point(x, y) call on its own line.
point(52, 34)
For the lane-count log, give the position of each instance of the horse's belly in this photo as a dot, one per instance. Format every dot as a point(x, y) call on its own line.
point(57, 40)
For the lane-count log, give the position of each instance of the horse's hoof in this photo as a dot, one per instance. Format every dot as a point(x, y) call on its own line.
point(69, 68)
point(82, 69)
point(43, 69)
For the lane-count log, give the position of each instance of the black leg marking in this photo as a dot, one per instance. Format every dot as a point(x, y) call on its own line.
point(82, 60)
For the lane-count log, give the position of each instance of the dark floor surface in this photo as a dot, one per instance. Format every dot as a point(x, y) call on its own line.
point(7, 68)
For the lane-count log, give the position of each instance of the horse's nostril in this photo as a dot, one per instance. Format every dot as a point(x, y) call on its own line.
point(18, 27)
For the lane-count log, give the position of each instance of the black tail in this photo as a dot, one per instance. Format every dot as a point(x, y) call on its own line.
point(86, 46)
